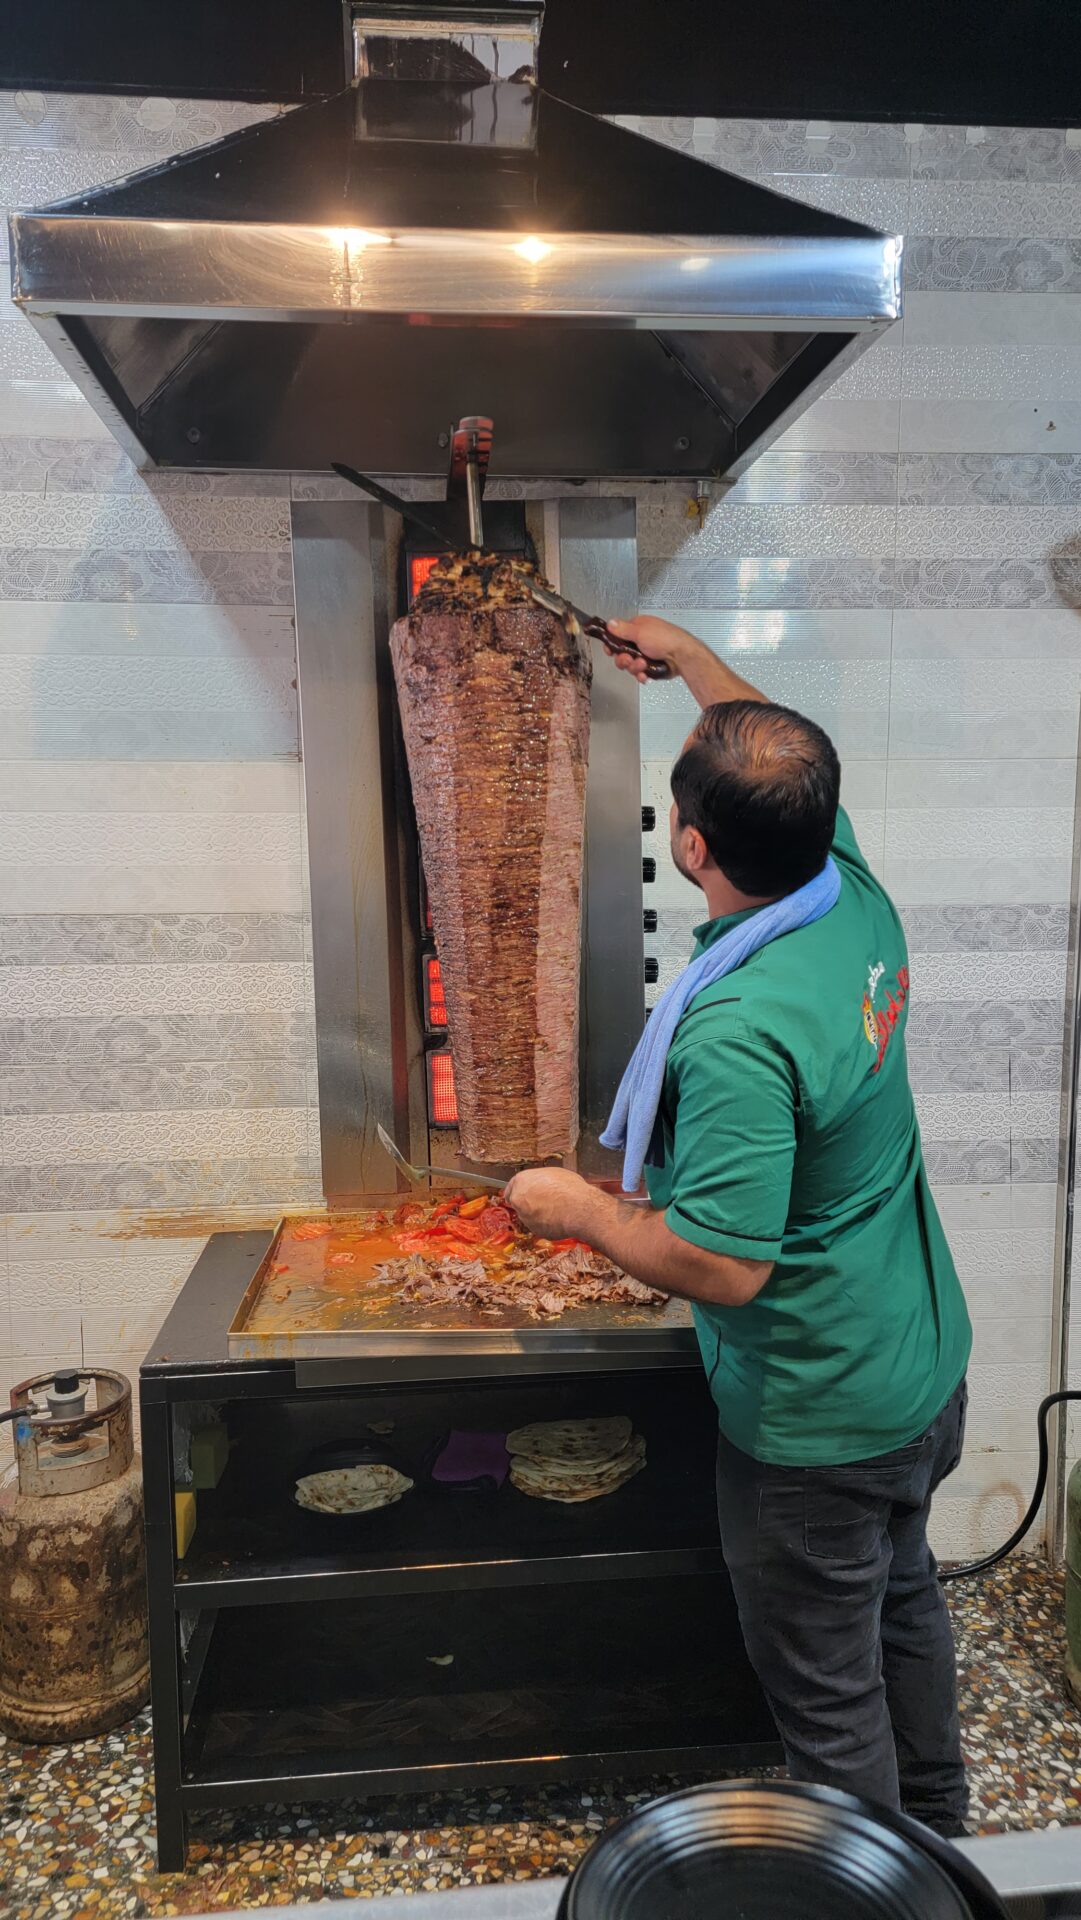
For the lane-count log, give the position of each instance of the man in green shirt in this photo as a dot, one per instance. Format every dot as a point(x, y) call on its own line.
point(790, 1205)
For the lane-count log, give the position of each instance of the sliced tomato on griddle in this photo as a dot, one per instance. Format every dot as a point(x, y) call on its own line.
point(421, 1241)
point(496, 1221)
point(410, 1213)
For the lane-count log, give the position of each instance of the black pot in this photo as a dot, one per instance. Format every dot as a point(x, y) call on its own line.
point(773, 1850)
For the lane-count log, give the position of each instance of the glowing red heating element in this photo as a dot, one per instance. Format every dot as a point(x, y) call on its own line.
point(420, 566)
point(443, 1101)
point(437, 1003)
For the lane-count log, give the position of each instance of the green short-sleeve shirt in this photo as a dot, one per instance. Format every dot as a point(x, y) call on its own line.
point(789, 1134)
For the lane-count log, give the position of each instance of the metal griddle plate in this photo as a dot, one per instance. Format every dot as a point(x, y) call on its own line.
point(365, 1317)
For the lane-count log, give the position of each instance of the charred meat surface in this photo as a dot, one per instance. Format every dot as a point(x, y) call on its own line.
point(494, 699)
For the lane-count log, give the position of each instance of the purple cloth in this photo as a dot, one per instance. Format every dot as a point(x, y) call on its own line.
point(473, 1456)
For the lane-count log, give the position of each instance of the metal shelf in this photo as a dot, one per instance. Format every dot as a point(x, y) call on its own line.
point(255, 1547)
point(436, 1692)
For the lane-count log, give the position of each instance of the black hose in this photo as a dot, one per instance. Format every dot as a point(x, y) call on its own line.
point(992, 1559)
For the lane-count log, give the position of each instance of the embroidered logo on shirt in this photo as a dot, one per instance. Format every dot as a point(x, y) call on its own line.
point(879, 1022)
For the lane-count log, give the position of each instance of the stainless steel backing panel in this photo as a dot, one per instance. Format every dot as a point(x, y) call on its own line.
point(598, 570)
point(339, 569)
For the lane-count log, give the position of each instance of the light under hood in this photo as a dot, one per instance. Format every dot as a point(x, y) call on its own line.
point(343, 282)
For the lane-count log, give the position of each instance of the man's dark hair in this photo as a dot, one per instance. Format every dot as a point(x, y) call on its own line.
point(761, 785)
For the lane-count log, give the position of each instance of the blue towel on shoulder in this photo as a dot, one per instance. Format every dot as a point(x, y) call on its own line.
point(634, 1114)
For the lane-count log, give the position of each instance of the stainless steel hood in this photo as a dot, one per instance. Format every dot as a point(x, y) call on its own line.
point(444, 239)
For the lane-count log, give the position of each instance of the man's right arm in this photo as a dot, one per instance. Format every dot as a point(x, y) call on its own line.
point(706, 674)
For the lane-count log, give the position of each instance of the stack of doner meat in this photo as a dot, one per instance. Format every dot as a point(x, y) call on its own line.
point(573, 1460)
point(494, 700)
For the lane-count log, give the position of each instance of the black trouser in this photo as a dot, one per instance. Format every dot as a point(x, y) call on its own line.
point(844, 1619)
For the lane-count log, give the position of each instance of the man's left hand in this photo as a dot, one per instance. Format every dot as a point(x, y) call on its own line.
point(549, 1201)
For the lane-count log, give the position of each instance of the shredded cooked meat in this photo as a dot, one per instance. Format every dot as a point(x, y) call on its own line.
point(544, 1286)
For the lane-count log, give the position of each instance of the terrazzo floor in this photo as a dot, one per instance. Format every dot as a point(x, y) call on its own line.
point(77, 1823)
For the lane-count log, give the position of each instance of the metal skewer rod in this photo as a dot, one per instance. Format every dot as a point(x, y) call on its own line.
point(442, 1173)
point(472, 498)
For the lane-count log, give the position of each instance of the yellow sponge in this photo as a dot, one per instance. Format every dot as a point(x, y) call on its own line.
point(185, 1522)
point(209, 1455)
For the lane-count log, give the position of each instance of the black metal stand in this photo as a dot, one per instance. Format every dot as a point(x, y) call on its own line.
point(454, 1638)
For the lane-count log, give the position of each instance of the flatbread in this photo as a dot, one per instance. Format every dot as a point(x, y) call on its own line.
point(557, 1469)
point(374, 1505)
point(555, 1474)
point(572, 1495)
point(581, 1442)
point(360, 1489)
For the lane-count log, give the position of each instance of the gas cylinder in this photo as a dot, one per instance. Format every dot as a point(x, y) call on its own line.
point(73, 1640)
point(1073, 1583)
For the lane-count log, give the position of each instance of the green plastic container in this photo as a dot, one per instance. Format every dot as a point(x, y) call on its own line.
point(1073, 1583)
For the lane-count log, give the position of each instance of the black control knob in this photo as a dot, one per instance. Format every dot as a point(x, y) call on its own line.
point(652, 972)
point(649, 870)
point(649, 819)
point(649, 920)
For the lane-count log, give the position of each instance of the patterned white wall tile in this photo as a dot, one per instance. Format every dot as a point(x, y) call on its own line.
point(800, 633)
point(1001, 1254)
point(841, 148)
point(995, 153)
point(663, 529)
point(188, 1086)
point(36, 1140)
point(126, 1038)
point(844, 426)
point(52, 1329)
point(1027, 320)
point(250, 789)
point(153, 886)
point(23, 353)
point(1009, 975)
point(1035, 1113)
point(159, 574)
point(877, 203)
point(992, 784)
point(109, 939)
point(132, 522)
point(100, 839)
point(1006, 1300)
point(111, 123)
point(963, 1529)
point(56, 628)
point(35, 178)
point(979, 832)
point(943, 531)
point(131, 991)
point(89, 733)
point(934, 734)
point(48, 407)
point(1041, 374)
point(964, 881)
point(989, 479)
point(963, 1116)
point(68, 1241)
point(278, 1181)
point(818, 479)
point(1038, 425)
point(972, 1208)
point(971, 687)
point(142, 684)
point(995, 207)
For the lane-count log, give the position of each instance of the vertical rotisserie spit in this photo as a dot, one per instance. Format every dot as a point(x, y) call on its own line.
point(494, 699)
